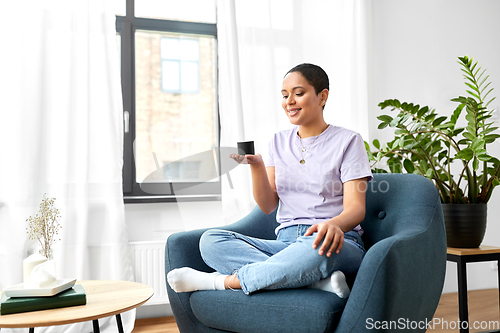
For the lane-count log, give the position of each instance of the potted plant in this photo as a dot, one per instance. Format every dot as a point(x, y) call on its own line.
point(45, 226)
point(455, 158)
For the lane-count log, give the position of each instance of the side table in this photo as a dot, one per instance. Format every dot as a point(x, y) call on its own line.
point(462, 256)
point(104, 299)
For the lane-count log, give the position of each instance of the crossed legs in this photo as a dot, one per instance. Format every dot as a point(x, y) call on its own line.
point(266, 264)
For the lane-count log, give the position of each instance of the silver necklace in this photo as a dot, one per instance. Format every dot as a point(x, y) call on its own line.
point(303, 149)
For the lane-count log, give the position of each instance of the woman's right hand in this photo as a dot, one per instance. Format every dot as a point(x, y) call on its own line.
point(247, 159)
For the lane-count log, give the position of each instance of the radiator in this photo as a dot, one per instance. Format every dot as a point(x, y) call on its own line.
point(148, 261)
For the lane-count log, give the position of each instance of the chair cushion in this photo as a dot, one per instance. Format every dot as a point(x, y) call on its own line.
point(289, 310)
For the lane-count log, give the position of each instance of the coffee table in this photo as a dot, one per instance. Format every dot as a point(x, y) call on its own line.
point(104, 299)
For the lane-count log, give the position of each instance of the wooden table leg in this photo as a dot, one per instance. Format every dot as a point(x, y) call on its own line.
point(498, 270)
point(463, 308)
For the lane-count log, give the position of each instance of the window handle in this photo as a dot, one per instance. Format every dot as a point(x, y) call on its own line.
point(126, 121)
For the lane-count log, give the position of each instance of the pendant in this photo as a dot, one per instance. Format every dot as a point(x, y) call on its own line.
point(302, 161)
point(303, 149)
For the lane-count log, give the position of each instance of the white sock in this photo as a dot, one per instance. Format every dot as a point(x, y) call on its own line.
point(186, 279)
point(335, 283)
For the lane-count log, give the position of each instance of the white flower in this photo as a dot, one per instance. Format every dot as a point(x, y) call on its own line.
point(45, 225)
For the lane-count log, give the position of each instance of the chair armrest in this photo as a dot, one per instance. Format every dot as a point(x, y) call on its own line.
point(401, 278)
point(182, 250)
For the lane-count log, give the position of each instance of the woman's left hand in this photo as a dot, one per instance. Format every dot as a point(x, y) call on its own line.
point(332, 235)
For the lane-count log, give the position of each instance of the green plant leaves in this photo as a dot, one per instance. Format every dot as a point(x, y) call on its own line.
point(456, 114)
point(428, 144)
point(468, 136)
point(491, 138)
point(408, 165)
point(475, 164)
point(385, 118)
point(382, 125)
point(465, 154)
point(483, 156)
point(422, 111)
point(438, 121)
point(477, 143)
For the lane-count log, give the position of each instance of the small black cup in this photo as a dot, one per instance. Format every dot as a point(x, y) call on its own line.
point(246, 147)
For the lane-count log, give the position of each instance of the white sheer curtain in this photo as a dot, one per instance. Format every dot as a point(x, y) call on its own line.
point(61, 134)
point(259, 41)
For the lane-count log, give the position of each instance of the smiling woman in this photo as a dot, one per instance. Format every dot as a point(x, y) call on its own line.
point(258, 42)
point(319, 236)
point(305, 92)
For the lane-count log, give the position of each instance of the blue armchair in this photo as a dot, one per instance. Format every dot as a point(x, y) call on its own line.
point(398, 285)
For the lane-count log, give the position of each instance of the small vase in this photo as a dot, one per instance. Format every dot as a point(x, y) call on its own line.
point(49, 267)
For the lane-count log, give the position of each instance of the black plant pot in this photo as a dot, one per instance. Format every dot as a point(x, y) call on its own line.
point(465, 224)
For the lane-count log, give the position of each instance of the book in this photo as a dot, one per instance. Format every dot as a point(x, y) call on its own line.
point(71, 297)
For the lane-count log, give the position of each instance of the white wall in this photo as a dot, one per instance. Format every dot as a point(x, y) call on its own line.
point(414, 49)
point(156, 221)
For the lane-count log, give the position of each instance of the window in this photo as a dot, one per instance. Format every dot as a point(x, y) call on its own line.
point(169, 71)
point(179, 65)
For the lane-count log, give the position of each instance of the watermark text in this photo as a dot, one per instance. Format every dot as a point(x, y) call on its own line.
point(435, 323)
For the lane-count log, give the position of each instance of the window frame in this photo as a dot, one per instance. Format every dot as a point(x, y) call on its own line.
point(127, 26)
point(180, 61)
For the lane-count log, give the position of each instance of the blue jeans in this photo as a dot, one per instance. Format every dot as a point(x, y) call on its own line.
point(287, 262)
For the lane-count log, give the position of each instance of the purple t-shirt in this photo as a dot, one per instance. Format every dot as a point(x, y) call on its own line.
point(312, 192)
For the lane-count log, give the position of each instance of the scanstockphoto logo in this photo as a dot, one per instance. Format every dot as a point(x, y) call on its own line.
point(300, 178)
point(434, 324)
point(167, 163)
point(300, 186)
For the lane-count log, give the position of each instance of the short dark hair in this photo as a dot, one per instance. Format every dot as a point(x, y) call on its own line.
point(314, 75)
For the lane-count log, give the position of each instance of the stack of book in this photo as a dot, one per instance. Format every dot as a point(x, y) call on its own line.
point(70, 297)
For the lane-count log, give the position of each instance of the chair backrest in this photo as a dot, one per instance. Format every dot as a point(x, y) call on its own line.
point(391, 199)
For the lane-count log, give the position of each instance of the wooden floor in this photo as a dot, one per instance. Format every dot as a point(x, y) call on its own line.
point(483, 309)
point(156, 325)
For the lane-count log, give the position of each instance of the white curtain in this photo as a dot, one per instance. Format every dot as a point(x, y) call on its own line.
point(259, 41)
point(61, 134)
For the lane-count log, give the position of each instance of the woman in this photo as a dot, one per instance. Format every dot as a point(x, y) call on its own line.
point(316, 174)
